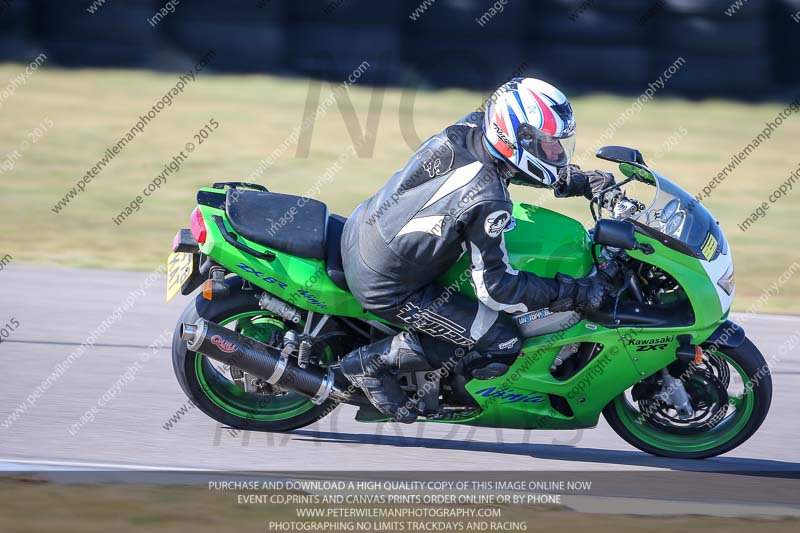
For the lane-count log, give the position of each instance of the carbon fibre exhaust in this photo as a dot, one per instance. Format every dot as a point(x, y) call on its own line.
point(266, 362)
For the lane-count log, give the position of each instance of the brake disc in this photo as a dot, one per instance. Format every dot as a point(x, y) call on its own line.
point(709, 397)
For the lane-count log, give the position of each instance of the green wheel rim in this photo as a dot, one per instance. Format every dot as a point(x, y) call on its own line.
point(723, 432)
point(232, 399)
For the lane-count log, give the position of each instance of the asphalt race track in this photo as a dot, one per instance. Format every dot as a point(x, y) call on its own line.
point(56, 310)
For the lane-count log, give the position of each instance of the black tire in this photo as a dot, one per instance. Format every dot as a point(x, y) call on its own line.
point(710, 36)
point(246, 36)
point(351, 13)
point(16, 44)
point(569, 6)
point(464, 63)
point(717, 74)
point(717, 8)
point(183, 360)
point(248, 11)
point(117, 34)
point(15, 19)
point(114, 22)
point(785, 51)
point(459, 19)
point(620, 67)
point(238, 46)
point(752, 362)
point(18, 51)
point(334, 53)
point(592, 28)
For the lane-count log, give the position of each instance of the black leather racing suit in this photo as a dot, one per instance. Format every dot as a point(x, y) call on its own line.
point(450, 199)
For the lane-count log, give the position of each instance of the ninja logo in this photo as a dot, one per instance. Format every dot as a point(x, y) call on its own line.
point(510, 395)
point(496, 222)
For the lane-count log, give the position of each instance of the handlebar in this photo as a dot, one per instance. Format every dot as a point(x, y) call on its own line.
point(626, 207)
point(614, 200)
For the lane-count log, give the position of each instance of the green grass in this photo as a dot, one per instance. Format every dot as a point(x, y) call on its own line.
point(28, 504)
point(92, 109)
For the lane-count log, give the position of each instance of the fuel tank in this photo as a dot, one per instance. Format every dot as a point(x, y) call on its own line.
point(538, 240)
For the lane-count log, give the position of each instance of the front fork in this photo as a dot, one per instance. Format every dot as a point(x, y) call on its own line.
point(674, 393)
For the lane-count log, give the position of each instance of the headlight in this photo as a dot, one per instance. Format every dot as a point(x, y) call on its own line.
point(726, 282)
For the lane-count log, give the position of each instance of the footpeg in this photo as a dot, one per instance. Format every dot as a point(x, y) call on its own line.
point(490, 371)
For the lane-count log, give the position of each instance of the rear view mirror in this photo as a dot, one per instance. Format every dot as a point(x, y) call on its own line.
point(615, 233)
point(620, 154)
point(631, 162)
point(638, 173)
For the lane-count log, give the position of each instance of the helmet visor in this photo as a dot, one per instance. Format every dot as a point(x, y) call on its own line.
point(556, 151)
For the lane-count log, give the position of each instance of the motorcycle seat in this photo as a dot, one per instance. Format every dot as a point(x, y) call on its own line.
point(333, 251)
point(292, 224)
point(284, 222)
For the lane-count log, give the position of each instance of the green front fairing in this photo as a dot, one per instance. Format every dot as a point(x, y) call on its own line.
point(587, 392)
point(708, 314)
point(614, 369)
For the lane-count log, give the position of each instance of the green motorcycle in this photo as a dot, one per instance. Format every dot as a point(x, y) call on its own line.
point(259, 347)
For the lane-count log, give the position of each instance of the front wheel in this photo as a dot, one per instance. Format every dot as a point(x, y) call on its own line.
point(218, 390)
point(730, 394)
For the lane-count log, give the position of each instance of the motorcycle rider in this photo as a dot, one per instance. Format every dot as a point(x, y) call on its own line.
point(450, 199)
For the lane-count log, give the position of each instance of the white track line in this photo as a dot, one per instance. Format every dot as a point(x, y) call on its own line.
point(750, 316)
point(98, 466)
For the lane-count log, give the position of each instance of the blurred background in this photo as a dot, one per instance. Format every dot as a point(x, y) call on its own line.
point(327, 98)
point(741, 48)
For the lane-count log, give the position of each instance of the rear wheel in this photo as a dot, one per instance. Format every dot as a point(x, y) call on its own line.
point(730, 394)
point(220, 391)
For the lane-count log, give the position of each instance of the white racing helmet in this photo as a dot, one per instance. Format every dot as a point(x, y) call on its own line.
point(529, 124)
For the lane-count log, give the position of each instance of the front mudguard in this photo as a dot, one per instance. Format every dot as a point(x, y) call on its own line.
point(729, 334)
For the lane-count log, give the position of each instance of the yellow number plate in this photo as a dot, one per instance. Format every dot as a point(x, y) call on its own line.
point(179, 268)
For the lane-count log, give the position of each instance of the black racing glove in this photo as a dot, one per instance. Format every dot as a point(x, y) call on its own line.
point(572, 181)
point(581, 294)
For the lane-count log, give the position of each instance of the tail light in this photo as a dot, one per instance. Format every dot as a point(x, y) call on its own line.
point(198, 226)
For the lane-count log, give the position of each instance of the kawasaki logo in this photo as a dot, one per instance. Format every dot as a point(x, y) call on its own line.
point(647, 345)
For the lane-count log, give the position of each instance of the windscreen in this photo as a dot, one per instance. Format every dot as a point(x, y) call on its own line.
point(677, 219)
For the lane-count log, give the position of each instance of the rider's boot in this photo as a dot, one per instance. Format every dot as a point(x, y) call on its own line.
point(374, 368)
